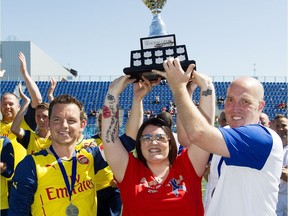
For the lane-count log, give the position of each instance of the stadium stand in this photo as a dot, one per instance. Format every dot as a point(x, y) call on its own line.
point(92, 93)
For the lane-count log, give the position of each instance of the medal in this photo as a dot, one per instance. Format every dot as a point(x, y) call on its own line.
point(72, 210)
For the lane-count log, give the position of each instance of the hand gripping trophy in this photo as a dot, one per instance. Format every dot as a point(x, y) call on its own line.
point(156, 48)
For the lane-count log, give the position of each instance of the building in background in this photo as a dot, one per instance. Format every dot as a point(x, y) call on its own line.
point(40, 65)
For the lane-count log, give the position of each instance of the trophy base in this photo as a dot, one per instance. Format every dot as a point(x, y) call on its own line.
point(146, 71)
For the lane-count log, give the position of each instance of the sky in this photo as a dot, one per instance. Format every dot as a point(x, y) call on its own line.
point(224, 37)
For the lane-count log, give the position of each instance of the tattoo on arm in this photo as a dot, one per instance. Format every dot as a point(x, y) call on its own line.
point(113, 113)
point(106, 112)
point(112, 130)
point(110, 98)
point(207, 92)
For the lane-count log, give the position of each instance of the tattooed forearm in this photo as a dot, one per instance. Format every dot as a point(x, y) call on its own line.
point(112, 132)
point(108, 137)
point(106, 112)
point(111, 112)
point(207, 92)
point(113, 128)
point(110, 98)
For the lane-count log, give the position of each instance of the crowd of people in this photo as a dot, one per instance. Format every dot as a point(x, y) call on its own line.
point(282, 105)
point(50, 167)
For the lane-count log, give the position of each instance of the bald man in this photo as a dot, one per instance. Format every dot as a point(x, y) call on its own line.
point(251, 153)
point(264, 119)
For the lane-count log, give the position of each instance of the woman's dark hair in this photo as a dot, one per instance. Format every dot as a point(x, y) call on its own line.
point(167, 129)
point(167, 117)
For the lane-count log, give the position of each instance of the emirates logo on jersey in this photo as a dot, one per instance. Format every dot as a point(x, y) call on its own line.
point(82, 159)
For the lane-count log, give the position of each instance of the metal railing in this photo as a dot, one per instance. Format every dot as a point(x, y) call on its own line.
point(112, 77)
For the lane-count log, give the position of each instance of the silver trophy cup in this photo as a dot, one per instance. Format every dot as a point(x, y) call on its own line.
point(155, 48)
point(157, 27)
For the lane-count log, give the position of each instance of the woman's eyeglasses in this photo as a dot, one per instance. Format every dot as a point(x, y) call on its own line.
point(149, 138)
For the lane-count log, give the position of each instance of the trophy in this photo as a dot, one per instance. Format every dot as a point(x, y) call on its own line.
point(157, 26)
point(156, 48)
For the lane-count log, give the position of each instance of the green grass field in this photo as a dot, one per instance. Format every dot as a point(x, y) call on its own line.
point(203, 188)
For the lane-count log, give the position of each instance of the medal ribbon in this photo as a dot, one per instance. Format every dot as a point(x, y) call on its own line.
point(64, 173)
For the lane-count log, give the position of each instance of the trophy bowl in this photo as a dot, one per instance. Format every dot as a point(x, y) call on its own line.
point(155, 6)
point(157, 26)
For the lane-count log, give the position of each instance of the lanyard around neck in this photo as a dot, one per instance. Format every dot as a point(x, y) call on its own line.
point(64, 173)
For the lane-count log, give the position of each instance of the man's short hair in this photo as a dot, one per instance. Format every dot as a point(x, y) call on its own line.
point(68, 99)
point(42, 106)
point(9, 93)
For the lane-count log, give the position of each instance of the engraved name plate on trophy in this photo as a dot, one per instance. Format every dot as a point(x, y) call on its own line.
point(156, 48)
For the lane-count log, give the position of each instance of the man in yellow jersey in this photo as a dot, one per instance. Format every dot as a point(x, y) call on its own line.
point(33, 141)
point(10, 105)
point(58, 180)
point(7, 169)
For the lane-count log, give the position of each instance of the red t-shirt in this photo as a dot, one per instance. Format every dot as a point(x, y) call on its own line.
point(179, 194)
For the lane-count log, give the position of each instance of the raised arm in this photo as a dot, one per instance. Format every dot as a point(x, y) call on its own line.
point(141, 89)
point(36, 97)
point(200, 132)
point(181, 133)
point(198, 156)
point(15, 127)
point(50, 93)
point(115, 153)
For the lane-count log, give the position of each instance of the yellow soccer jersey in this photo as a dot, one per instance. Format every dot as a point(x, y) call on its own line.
point(7, 157)
point(35, 143)
point(5, 129)
point(4, 193)
point(104, 176)
point(19, 150)
point(51, 191)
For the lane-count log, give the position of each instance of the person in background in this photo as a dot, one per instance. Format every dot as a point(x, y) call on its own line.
point(10, 105)
point(264, 119)
point(222, 119)
point(280, 125)
point(166, 116)
point(252, 154)
point(32, 141)
point(7, 169)
point(159, 180)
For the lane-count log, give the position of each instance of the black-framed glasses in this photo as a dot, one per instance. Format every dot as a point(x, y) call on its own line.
point(149, 138)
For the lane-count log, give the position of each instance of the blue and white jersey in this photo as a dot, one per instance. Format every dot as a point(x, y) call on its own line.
point(249, 179)
point(213, 177)
point(215, 172)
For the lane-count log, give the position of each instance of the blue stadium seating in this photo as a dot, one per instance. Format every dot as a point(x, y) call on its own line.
point(92, 95)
